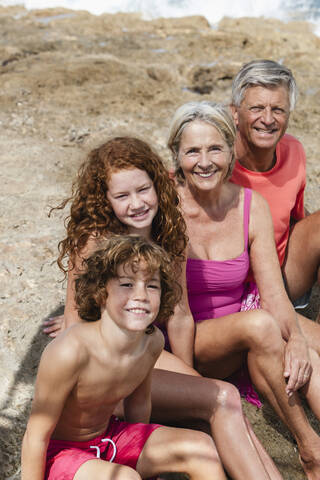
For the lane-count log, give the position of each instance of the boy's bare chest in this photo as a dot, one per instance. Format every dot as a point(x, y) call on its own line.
point(106, 382)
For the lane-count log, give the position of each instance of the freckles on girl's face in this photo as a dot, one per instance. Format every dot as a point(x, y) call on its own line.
point(133, 198)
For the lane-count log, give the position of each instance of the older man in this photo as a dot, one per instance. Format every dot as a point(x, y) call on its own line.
point(274, 163)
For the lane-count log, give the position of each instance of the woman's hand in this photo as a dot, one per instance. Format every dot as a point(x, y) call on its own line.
point(297, 367)
point(54, 325)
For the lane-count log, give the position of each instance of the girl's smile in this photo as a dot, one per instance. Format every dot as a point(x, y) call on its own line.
point(133, 199)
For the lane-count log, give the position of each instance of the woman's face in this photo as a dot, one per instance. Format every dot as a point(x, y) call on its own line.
point(204, 156)
point(133, 198)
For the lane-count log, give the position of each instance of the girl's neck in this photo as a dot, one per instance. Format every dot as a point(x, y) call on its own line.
point(144, 232)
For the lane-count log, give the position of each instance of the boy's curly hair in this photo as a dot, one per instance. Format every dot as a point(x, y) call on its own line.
point(128, 250)
point(91, 213)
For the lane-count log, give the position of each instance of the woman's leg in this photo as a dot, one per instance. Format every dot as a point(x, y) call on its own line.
point(171, 449)
point(221, 342)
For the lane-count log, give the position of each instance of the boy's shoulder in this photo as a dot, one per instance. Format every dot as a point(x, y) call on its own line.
point(68, 348)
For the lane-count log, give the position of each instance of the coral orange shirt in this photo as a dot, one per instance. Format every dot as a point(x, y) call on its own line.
point(282, 186)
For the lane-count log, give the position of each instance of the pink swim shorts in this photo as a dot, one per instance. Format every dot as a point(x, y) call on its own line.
point(121, 443)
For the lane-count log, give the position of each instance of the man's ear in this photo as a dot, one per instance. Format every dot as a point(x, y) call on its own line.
point(234, 112)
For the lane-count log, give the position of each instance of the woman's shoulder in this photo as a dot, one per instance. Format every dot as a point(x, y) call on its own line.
point(260, 215)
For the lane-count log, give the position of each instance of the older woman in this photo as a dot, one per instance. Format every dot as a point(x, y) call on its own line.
point(230, 230)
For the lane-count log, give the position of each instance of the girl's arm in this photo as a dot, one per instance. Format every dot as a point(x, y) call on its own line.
point(274, 299)
point(180, 326)
point(55, 325)
point(55, 379)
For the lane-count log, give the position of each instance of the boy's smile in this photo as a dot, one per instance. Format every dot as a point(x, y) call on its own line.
point(133, 297)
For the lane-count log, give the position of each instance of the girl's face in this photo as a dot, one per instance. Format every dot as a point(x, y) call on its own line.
point(133, 199)
point(204, 156)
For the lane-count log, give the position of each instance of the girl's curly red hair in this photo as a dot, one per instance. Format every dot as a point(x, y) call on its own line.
point(91, 213)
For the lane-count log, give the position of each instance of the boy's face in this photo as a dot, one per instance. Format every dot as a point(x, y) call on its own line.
point(133, 297)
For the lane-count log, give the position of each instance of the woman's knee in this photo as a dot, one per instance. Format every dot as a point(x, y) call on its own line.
point(263, 331)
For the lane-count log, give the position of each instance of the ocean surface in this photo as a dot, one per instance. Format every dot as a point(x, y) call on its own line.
point(214, 10)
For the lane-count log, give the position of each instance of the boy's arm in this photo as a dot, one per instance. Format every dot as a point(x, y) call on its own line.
point(56, 377)
point(137, 406)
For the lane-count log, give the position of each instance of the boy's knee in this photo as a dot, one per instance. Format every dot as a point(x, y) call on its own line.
point(103, 470)
point(127, 473)
point(198, 446)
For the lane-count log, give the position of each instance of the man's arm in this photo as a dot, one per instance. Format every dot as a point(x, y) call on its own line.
point(274, 299)
point(56, 377)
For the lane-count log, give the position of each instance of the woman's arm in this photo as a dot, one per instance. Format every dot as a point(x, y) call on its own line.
point(266, 270)
point(180, 326)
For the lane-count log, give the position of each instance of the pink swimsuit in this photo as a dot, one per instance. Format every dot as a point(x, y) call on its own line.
point(216, 288)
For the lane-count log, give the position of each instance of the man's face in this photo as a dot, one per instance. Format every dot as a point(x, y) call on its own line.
point(263, 116)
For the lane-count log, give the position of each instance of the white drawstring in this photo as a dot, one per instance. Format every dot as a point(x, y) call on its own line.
point(114, 448)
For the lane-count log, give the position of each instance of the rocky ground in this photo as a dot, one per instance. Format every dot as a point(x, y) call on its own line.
point(69, 80)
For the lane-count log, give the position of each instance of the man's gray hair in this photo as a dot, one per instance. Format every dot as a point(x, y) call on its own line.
point(264, 73)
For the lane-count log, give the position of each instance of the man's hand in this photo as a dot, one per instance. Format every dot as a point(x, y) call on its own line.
point(297, 367)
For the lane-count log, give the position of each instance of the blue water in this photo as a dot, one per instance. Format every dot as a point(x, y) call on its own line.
point(285, 10)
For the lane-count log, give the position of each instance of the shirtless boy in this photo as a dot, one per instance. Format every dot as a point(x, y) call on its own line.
point(126, 286)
